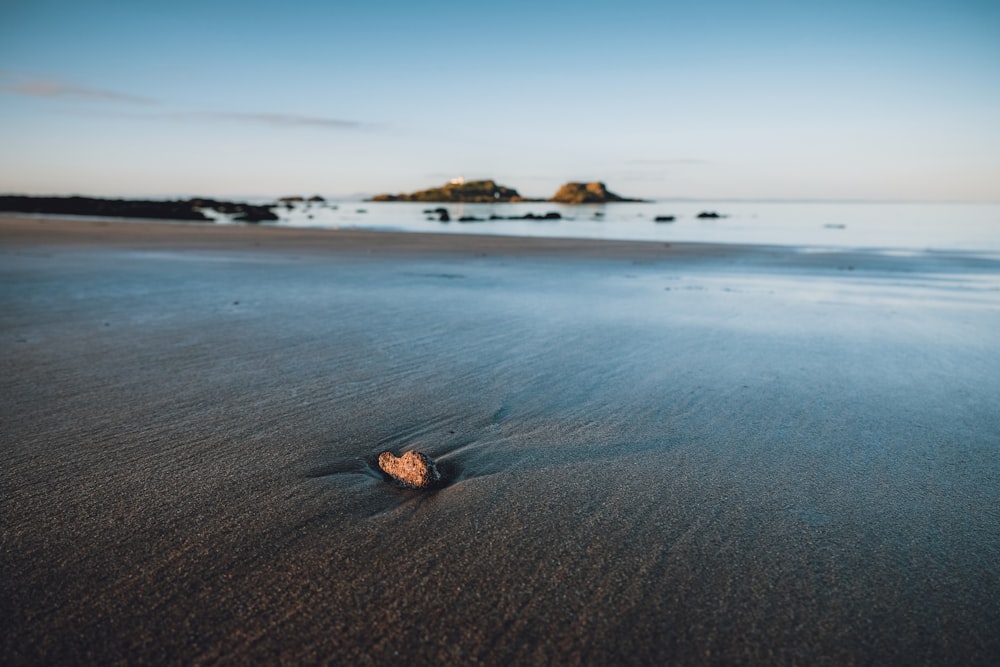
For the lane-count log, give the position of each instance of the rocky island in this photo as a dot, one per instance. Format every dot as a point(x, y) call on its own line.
point(485, 192)
point(460, 191)
point(594, 192)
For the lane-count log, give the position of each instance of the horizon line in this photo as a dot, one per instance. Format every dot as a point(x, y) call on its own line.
point(356, 196)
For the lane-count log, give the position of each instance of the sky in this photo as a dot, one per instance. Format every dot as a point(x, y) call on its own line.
point(707, 100)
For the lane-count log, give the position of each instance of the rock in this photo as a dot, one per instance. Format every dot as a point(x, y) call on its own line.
point(664, 218)
point(188, 209)
point(594, 192)
point(466, 191)
point(252, 213)
point(413, 469)
point(708, 215)
point(316, 199)
point(551, 215)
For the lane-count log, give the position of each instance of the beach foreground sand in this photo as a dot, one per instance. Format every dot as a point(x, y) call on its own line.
point(655, 454)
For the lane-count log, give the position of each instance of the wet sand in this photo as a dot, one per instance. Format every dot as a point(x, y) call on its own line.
point(685, 454)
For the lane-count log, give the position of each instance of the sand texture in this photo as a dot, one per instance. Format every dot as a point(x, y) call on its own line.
point(653, 454)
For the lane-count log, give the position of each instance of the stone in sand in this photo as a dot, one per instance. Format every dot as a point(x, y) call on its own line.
point(414, 469)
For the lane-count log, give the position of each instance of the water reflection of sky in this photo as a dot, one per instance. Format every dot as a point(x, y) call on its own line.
point(860, 225)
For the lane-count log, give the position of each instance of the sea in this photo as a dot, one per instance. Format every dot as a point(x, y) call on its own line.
point(886, 226)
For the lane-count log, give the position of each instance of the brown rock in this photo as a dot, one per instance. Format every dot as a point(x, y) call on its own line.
point(414, 469)
point(587, 193)
point(462, 191)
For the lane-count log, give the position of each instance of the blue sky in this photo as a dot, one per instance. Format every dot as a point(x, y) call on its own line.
point(847, 100)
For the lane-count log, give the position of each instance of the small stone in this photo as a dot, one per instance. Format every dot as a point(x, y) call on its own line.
point(413, 469)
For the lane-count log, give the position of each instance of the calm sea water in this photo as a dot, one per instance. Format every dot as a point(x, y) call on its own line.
point(974, 227)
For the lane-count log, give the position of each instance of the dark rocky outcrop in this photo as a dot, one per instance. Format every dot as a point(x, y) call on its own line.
point(291, 201)
point(442, 214)
point(594, 192)
point(239, 211)
point(464, 192)
point(413, 469)
point(180, 209)
point(114, 208)
point(551, 215)
point(709, 215)
point(664, 218)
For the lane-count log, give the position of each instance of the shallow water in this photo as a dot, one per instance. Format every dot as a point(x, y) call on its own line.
point(854, 225)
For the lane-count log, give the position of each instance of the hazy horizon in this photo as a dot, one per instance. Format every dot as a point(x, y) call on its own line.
point(529, 198)
point(702, 101)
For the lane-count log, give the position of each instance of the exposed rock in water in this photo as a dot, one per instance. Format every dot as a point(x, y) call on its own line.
point(551, 215)
point(709, 215)
point(240, 212)
point(466, 192)
point(594, 192)
point(252, 213)
point(413, 469)
point(664, 218)
point(186, 209)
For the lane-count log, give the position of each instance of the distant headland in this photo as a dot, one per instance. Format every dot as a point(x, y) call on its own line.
point(488, 191)
point(179, 209)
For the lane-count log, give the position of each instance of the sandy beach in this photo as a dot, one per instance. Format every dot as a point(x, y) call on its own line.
point(657, 453)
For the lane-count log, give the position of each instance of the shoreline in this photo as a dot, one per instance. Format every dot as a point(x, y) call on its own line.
point(912, 229)
point(207, 236)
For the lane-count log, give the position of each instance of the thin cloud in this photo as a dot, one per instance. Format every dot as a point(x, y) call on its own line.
point(273, 119)
point(637, 177)
point(18, 84)
point(276, 119)
point(30, 87)
point(661, 163)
